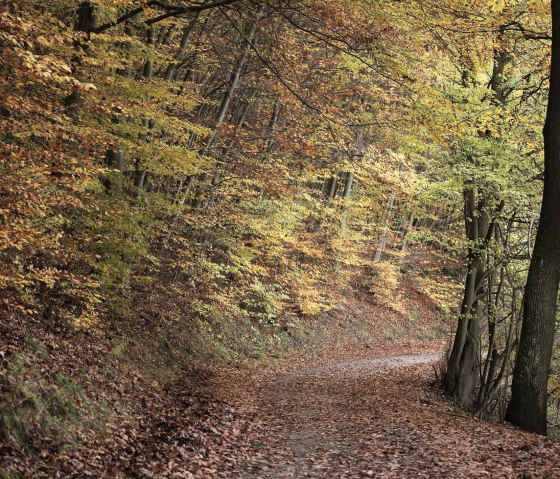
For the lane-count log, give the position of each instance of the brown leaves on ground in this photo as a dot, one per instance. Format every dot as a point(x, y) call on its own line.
point(347, 418)
point(381, 418)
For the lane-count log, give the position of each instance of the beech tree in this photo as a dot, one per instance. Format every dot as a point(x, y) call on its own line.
point(528, 405)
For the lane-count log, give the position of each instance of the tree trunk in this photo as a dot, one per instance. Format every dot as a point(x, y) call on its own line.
point(407, 226)
point(333, 187)
point(179, 56)
point(87, 19)
point(139, 179)
point(232, 86)
point(528, 406)
point(463, 376)
point(115, 160)
point(182, 195)
point(346, 196)
point(460, 377)
point(385, 232)
point(273, 126)
point(148, 71)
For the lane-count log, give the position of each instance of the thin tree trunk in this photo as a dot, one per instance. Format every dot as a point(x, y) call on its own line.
point(148, 71)
point(407, 226)
point(346, 196)
point(185, 38)
point(139, 179)
point(385, 231)
point(183, 194)
point(333, 186)
point(232, 85)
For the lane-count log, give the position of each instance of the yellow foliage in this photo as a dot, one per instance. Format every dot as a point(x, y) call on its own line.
point(444, 298)
point(385, 280)
point(554, 387)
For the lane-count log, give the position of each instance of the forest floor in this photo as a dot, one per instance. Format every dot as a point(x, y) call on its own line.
point(375, 415)
point(361, 406)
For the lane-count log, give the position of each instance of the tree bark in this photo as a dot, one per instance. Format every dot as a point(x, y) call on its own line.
point(115, 160)
point(139, 179)
point(179, 56)
point(346, 196)
point(528, 406)
point(460, 377)
point(333, 187)
point(148, 71)
point(232, 85)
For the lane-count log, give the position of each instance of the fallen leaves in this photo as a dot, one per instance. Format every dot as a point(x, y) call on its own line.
point(344, 418)
point(365, 418)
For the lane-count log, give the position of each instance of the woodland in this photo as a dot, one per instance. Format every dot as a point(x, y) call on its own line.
point(279, 238)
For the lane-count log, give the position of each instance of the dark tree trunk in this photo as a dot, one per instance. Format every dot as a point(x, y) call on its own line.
point(148, 71)
point(333, 186)
point(179, 56)
point(231, 86)
point(462, 366)
point(346, 195)
point(115, 160)
point(528, 406)
point(87, 20)
point(139, 179)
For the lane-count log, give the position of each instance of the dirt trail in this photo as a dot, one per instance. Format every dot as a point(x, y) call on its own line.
point(380, 418)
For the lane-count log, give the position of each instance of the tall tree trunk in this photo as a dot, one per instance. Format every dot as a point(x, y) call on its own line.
point(333, 187)
point(528, 406)
point(182, 195)
point(346, 196)
point(273, 126)
point(179, 56)
point(460, 377)
point(407, 226)
point(463, 375)
point(87, 19)
point(232, 85)
point(139, 179)
point(115, 160)
point(224, 108)
point(385, 231)
point(148, 70)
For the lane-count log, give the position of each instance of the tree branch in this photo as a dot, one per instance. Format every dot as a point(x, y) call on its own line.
point(275, 72)
point(171, 11)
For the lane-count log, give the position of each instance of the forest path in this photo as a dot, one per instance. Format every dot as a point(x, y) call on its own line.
point(379, 418)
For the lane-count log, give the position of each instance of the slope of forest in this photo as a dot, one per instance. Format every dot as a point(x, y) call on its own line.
point(188, 188)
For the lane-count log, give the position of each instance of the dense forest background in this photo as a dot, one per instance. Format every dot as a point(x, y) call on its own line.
point(191, 181)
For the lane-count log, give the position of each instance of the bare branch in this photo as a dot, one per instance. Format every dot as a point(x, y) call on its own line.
point(171, 11)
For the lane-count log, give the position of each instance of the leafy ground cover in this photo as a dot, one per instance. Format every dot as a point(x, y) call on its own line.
point(350, 413)
point(325, 402)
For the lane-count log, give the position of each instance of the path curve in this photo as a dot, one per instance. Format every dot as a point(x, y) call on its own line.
point(377, 418)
